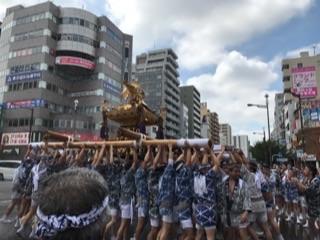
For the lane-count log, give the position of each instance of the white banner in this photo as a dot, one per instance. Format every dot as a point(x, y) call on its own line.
point(14, 139)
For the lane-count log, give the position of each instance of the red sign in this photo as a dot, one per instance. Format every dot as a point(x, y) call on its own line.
point(84, 136)
point(75, 61)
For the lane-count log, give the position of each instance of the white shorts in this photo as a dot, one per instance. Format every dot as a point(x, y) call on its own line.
point(167, 219)
point(112, 212)
point(142, 212)
point(260, 217)
point(126, 211)
point(154, 222)
point(205, 228)
point(185, 224)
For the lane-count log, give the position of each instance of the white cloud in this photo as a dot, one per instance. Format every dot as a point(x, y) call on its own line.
point(201, 32)
point(238, 81)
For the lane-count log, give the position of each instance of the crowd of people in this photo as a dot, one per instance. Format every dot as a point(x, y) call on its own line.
point(160, 192)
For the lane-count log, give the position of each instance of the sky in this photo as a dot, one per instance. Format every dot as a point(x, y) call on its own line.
point(231, 50)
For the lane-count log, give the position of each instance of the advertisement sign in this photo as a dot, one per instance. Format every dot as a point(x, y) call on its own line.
point(304, 81)
point(111, 89)
point(75, 61)
point(25, 104)
point(34, 75)
point(314, 114)
point(20, 138)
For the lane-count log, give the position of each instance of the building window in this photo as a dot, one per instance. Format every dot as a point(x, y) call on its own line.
point(299, 65)
point(286, 78)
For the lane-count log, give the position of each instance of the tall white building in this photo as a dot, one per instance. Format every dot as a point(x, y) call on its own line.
point(225, 134)
point(242, 142)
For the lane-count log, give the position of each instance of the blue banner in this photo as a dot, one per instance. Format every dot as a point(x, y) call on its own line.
point(111, 89)
point(34, 75)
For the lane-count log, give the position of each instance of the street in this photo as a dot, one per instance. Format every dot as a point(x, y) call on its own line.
point(7, 231)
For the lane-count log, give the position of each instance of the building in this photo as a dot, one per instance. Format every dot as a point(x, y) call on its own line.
point(225, 134)
point(57, 65)
point(184, 115)
point(204, 117)
point(278, 133)
point(190, 96)
point(157, 72)
point(242, 142)
point(301, 76)
point(216, 127)
point(209, 124)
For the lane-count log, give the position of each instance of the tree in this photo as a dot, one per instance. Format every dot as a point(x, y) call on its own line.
point(260, 151)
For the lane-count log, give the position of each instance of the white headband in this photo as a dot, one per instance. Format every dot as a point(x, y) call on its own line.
point(50, 225)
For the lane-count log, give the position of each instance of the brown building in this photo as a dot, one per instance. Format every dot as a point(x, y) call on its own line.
point(209, 124)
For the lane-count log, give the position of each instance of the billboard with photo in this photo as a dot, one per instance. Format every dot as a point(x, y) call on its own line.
point(304, 81)
point(15, 139)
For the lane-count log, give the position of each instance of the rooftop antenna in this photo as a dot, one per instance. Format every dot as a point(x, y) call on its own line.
point(314, 49)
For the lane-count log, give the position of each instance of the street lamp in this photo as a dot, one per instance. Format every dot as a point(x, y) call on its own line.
point(300, 113)
point(264, 141)
point(266, 106)
point(75, 102)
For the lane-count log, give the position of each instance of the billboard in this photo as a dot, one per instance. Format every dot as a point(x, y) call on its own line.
point(18, 77)
point(25, 104)
point(304, 81)
point(108, 87)
point(14, 139)
point(75, 61)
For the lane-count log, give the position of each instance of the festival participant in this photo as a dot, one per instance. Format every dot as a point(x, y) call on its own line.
point(306, 180)
point(206, 178)
point(312, 193)
point(268, 191)
point(155, 173)
point(114, 190)
point(127, 194)
point(235, 204)
point(80, 214)
point(142, 193)
point(253, 178)
point(39, 173)
point(166, 195)
point(292, 196)
point(183, 193)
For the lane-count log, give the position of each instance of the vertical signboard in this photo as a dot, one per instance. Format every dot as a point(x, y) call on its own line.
point(304, 81)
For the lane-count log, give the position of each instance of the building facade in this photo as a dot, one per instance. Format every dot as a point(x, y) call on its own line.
point(301, 75)
point(184, 120)
point(157, 72)
point(242, 142)
point(190, 96)
point(60, 64)
point(225, 134)
point(209, 124)
point(278, 133)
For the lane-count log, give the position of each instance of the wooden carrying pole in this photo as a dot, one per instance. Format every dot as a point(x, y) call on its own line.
point(201, 142)
point(129, 143)
point(131, 134)
point(58, 136)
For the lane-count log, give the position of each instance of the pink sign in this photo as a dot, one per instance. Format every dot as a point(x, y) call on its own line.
point(304, 81)
point(75, 61)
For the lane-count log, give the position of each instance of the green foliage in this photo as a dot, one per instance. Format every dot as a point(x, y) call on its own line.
point(260, 151)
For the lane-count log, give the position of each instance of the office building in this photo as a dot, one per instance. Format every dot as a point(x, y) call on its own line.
point(61, 63)
point(157, 72)
point(209, 124)
point(242, 142)
point(301, 76)
point(225, 134)
point(190, 96)
point(184, 121)
point(278, 133)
